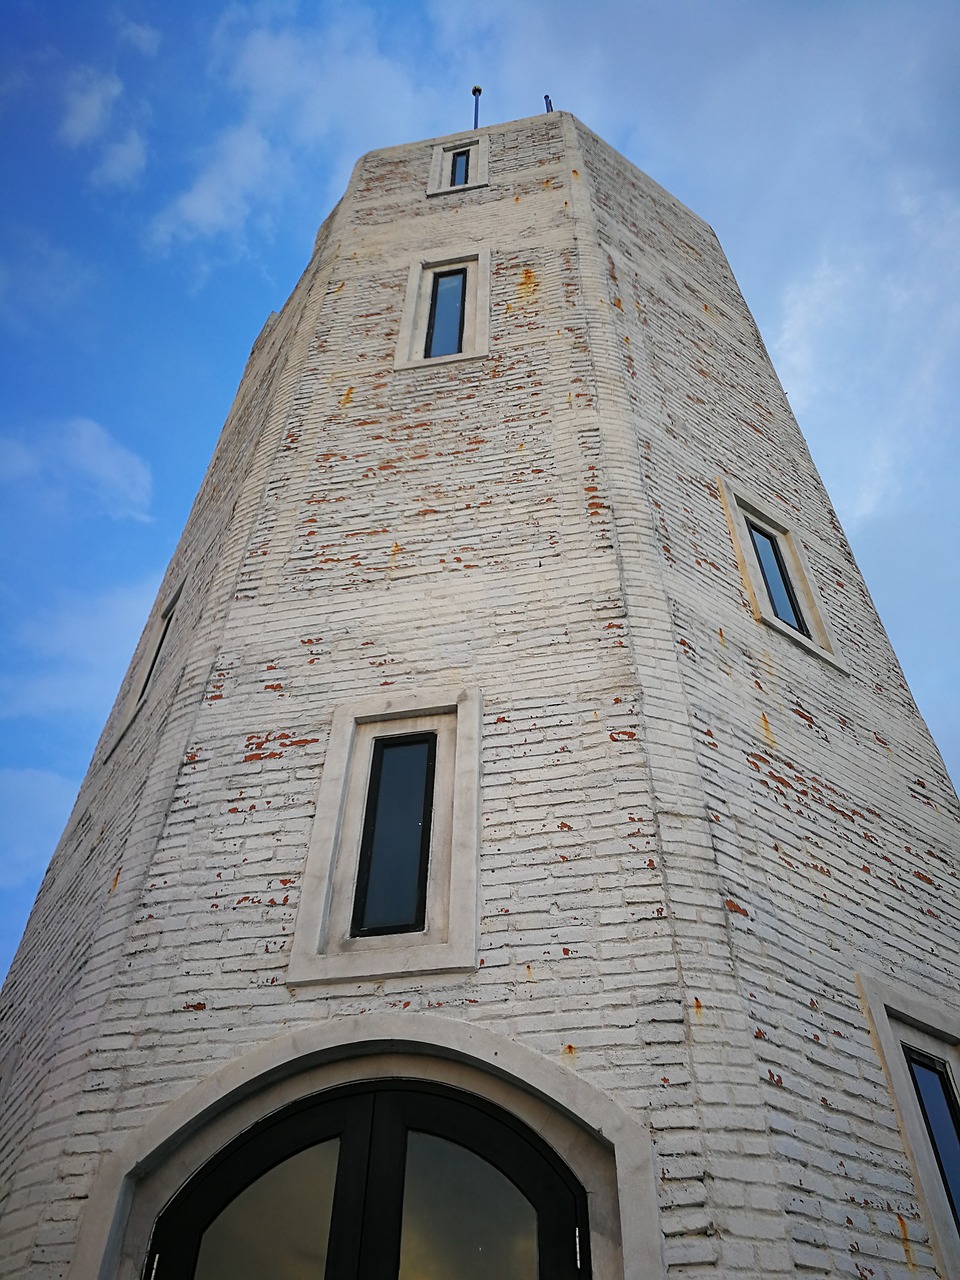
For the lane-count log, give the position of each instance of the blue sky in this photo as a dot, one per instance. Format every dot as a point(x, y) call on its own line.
point(165, 166)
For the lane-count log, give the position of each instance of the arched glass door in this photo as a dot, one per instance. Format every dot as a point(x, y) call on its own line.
point(382, 1182)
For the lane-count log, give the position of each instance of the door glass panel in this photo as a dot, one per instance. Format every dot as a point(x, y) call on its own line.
point(462, 1217)
point(278, 1227)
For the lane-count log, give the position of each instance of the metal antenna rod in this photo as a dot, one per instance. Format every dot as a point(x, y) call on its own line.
point(476, 104)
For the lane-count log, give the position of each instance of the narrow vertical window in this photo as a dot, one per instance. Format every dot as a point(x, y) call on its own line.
point(941, 1114)
point(460, 169)
point(776, 579)
point(445, 325)
point(391, 895)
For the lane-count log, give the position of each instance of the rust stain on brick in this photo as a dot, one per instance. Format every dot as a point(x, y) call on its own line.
point(346, 397)
point(766, 730)
point(736, 907)
point(116, 880)
point(905, 1241)
point(528, 284)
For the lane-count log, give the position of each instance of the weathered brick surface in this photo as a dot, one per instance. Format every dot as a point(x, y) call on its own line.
point(694, 832)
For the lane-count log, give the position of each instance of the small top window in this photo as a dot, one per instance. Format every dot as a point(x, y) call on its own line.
point(459, 166)
point(460, 169)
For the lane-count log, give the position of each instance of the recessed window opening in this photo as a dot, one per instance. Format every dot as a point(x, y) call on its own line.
point(391, 894)
point(445, 325)
point(941, 1114)
point(460, 169)
point(156, 656)
point(389, 1181)
point(776, 579)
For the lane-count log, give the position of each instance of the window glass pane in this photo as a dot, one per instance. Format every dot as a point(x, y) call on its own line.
point(939, 1107)
point(775, 577)
point(278, 1226)
point(445, 327)
point(460, 170)
point(462, 1217)
point(391, 886)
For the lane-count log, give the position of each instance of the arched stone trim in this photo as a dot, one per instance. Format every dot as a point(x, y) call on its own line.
point(605, 1147)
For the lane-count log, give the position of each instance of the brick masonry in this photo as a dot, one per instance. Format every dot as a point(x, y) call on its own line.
point(694, 832)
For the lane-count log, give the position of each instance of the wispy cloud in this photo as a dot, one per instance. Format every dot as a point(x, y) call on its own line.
point(78, 464)
point(234, 178)
point(140, 36)
point(36, 804)
point(42, 284)
point(88, 104)
point(122, 161)
point(69, 658)
point(100, 116)
point(868, 343)
point(296, 89)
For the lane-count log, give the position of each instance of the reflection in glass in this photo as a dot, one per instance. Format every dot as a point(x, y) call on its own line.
point(462, 1217)
point(942, 1115)
point(460, 169)
point(392, 878)
point(445, 324)
point(775, 576)
point(278, 1226)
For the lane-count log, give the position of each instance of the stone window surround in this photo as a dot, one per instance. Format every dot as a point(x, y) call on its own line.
point(416, 309)
point(607, 1148)
point(438, 183)
point(740, 506)
point(323, 949)
point(898, 1015)
point(154, 637)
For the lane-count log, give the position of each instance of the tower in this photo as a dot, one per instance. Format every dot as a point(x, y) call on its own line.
point(511, 548)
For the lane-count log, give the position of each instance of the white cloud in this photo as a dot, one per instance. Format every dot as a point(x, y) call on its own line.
point(235, 177)
point(78, 462)
point(810, 305)
point(122, 161)
point(89, 99)
point(69, 658)
point(145, 39)
point(296, 89)
point(868, 339)
point(35, 804)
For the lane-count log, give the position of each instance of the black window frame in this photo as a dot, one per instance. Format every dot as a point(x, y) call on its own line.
point(800, 623)
point(464, 155)
point(372, 1121)
point(380, 745)
point(941, 1069)
point(438, 276)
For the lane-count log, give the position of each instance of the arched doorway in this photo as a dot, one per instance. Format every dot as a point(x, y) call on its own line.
point(385, 1180)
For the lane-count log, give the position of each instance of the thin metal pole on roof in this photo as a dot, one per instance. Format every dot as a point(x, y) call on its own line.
point(546, 102)
point(476, 104)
